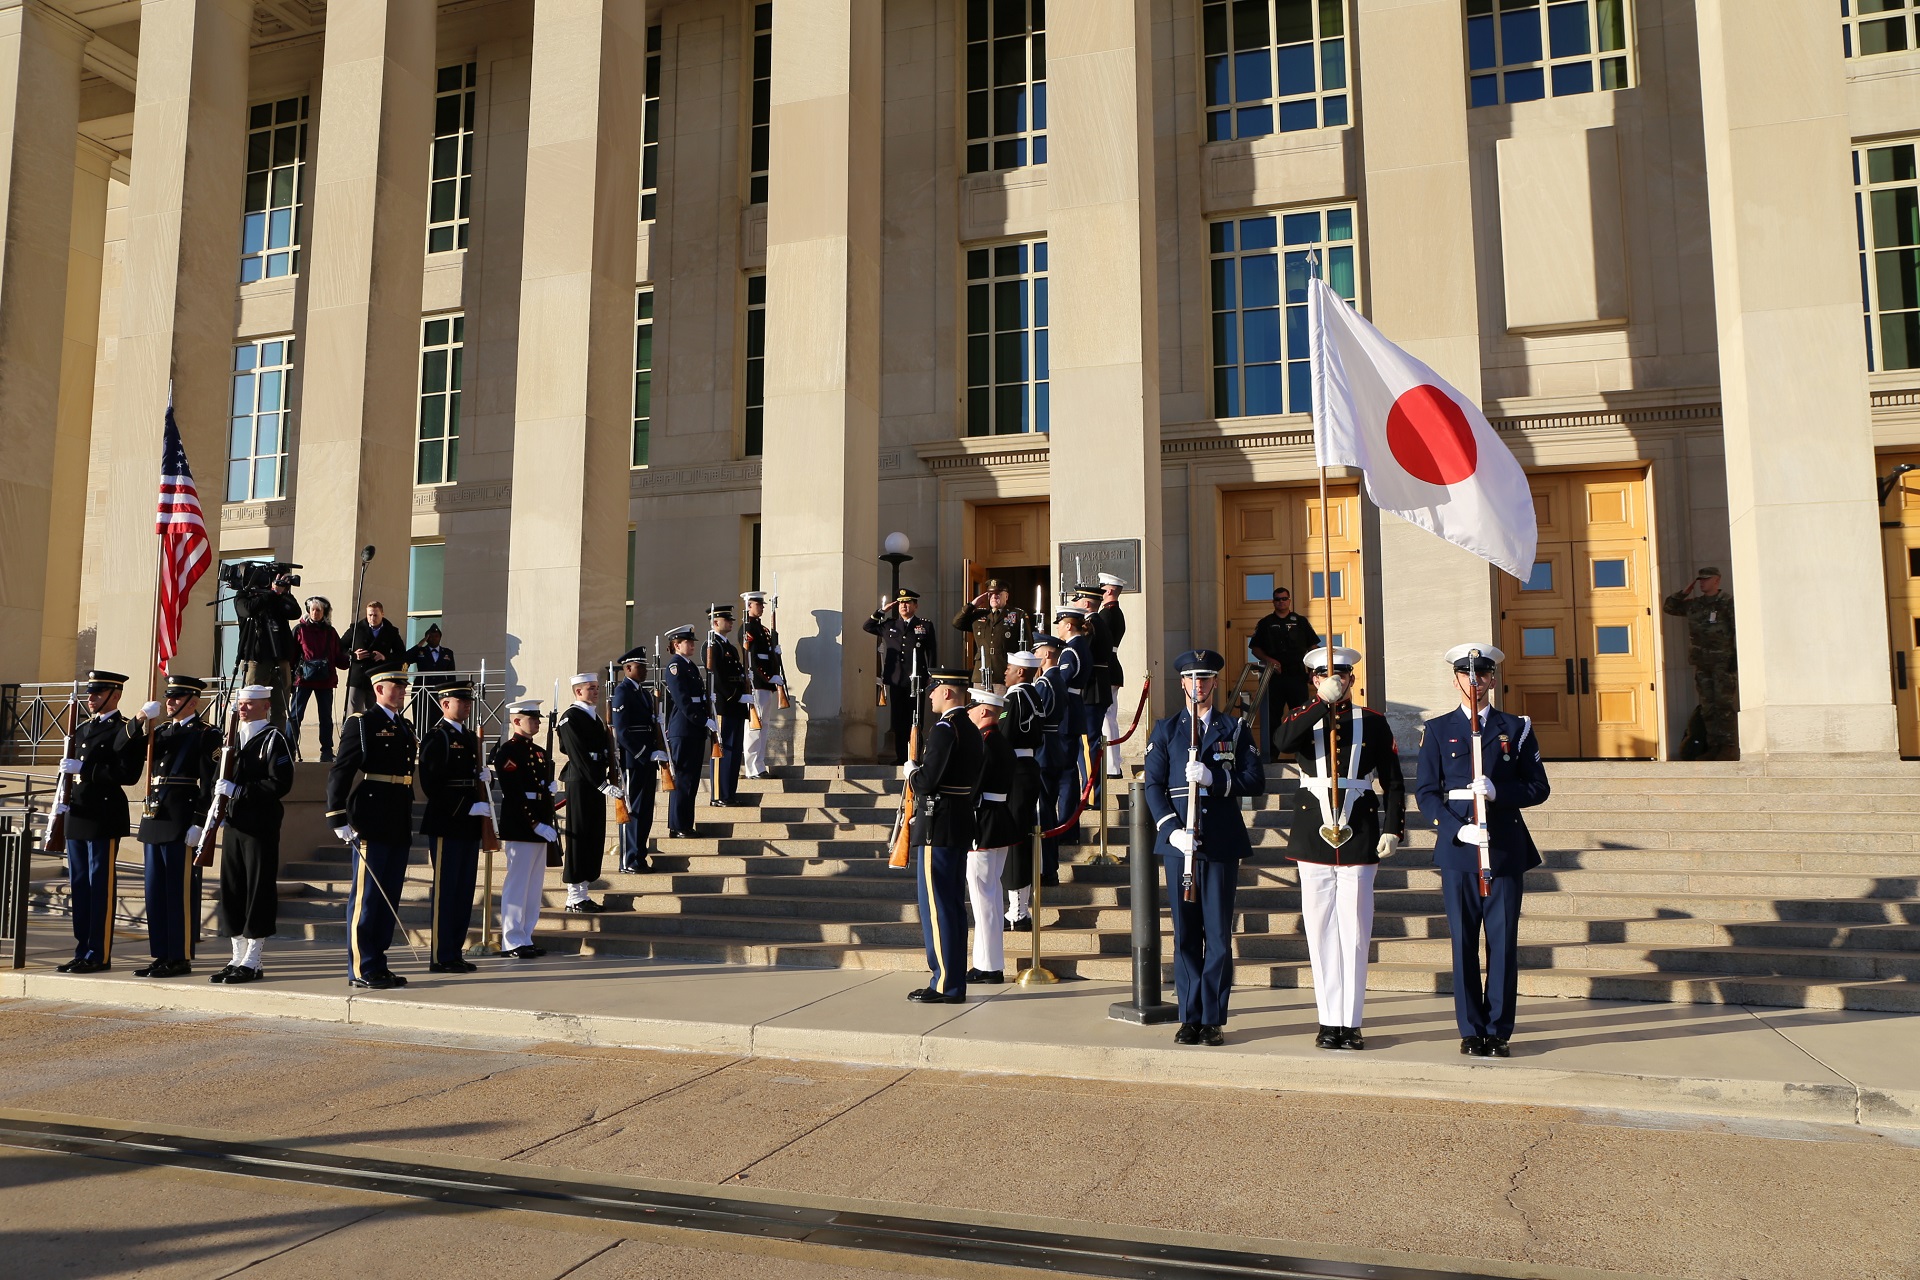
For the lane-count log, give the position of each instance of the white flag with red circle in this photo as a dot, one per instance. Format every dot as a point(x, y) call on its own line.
point(1430, 456)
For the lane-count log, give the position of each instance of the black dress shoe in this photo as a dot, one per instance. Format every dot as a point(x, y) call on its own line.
point(373, 982)
point(1023, 925)
point(458, 966)
point(1050, 879)
point(1210, 1035)
point(70, 966)
point(1188, 1033)
point(225, 972)
point(586, 908)
point(1329, 1038)
point(528, 952)
point(1476, 1046)
point(84, 966)
point(245, 973)
point(1350, 1038)
point(989, 976)
point(927, 995)
point(151, 970)
point(1497, 1047)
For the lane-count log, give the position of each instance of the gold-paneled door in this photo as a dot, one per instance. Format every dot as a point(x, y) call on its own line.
point(1011, 541)
point(1272, 536)
point(1579, 634)
point(1901, 531)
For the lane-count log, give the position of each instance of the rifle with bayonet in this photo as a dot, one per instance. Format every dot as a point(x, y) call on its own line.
point(223, 780)
point(56, 841)
point(903, 822)
point(657, 678)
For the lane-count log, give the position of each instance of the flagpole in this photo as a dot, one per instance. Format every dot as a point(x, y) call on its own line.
point(1326, 586)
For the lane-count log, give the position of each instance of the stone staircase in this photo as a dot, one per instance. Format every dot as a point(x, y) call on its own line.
point(1782, 884)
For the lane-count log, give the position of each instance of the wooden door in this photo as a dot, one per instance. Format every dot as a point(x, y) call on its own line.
point(1271, 537)
point(1011, 541)
point(1901, 512)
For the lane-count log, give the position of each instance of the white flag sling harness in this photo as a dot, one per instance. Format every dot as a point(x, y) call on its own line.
point(1337, 830)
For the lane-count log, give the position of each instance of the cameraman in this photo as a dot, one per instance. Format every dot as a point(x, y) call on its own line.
point(265, 606)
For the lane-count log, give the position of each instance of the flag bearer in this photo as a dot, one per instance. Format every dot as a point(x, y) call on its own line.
point(179, 793)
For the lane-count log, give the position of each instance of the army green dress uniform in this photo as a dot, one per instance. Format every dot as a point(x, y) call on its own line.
point(179, 793)
point(997, 633)
point(374, 816)
point(1716, 668)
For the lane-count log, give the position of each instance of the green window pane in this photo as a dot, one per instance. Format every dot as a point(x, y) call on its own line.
point(426, 577)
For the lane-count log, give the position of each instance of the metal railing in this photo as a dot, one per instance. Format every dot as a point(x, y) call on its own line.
point(489, 698)
point(35, 719)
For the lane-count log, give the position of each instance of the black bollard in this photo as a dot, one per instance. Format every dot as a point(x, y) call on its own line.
point(1146, 1007)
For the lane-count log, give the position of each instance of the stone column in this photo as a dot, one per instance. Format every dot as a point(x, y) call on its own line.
point(355, 475)
point(1421, 289)
point(183, 260)
point(1103, 294)
point(573, 415)
point(1793, 385)
point(39, 115)
point(820, 472)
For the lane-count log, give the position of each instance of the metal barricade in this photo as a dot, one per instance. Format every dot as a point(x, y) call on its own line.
point(15, 853)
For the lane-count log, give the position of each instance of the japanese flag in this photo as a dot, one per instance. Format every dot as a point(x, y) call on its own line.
point(1428, 453)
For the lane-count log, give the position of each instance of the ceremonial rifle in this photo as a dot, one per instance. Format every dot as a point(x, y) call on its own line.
point(903, 828)
point(880, 657)
point(773, 643)
point(1479, 772)
point(221, 803)
point(621, 813)
point(1188, 891)
point(555, 856)
point(713, 717)
point(56, 841)
point(489, 832)
point(658, 679)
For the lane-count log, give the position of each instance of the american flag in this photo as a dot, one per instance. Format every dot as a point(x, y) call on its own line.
point(185, 552)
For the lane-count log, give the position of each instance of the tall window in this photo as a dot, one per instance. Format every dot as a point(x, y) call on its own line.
point(426, 587)
point(276, 165)
point(754, 436)
point(632, 548)
point(450, 199)
point(1868, 27)
point(1274, 66)
point(760, 138)
point(642, 375)
point(1887, 208)
point(1006, 84)
point(1260, 271)
point(650, 131)
point(257, 442)
point(1007, 385)
point(442, 352)
point(1529, 48)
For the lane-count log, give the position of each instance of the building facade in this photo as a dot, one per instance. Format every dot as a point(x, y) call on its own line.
point(585, 313)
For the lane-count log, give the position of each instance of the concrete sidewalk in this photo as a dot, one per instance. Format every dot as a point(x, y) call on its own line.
point(1722, 1060)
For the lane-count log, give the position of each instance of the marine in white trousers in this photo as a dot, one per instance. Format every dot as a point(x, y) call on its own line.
point(1336, 903)
point(1111, 732)
point(764, 702)
point(984, 892)
point(520, 891)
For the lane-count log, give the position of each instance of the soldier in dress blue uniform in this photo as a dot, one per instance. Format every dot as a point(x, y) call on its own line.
point(526, 825)
point(179, 793)
point(643, 749)
point(374, 817)
point(908, 645)
point(947, 780)
point(727, 677)
point(1025, 726)
point(1106, 627)
point(690, 730)
point(260, 775)
point(108, 754)
point(1058, 757)
point(1079, 721)
point(454, 782)
point(1225, 767)
point(1511, 779)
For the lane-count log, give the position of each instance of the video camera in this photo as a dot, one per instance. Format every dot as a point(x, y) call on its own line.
point(258, 575)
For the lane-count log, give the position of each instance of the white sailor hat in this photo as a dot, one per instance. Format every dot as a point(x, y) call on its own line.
point(1023, 659)
point(1112, 580)
point(986, 697)
point(1316, 659)
point(585, 677)
point(1462, 657)
point(524, 707)
point(255, 693)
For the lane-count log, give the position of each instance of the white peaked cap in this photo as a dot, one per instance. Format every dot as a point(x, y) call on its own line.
point(1461, 652)
point(1112, 580)
point(1317, 658)
point(524, 707)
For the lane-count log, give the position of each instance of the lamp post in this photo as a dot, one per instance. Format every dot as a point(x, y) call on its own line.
point(896, 555)
point(1888, 483)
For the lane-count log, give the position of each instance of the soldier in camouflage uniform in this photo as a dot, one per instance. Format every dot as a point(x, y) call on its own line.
point(1716, 678)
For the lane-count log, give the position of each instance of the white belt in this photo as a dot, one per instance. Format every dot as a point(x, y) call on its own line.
point(1460, 793)
point(998, 797)
point(1024, 751)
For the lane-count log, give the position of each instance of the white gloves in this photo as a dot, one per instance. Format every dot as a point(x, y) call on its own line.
point(227, 787)
point(659, 757)
point(1181, 839)
point(1198, 774)
point(713, 726)
point(612, 792)
point(1484, 787)
point(486, 774)
point(776, 649)
point(346, 833)
point(70, 766)
point(546, 833)
point(908, 769)
point(779, 681)
point(1472, 835)
point(1389, 844)
point(193, 836)
point(481, 809)
point(61, 808)
point(152, 711)
point(1330, 688)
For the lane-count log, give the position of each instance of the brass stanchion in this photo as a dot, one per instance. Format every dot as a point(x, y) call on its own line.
point(1036, 975)
point(1105, 856)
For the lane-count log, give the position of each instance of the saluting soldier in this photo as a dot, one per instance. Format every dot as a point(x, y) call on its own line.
point(1511, 778)
point(908, 650)
point(374, 817)
point(1106, 628)
point(1716, 668)
point(994, 834)
point(179, 793)
point(108, 755)
point(642, 750)
point(766, 673)
point(430, 659)
point(1058, 756)
point(690, 729)
point(1337, 873)
point(591, 779)
point(731, 700)
point(948, 777)
point(453, 780)
point(262, 774)
point(1225, 768)
point(996, 628)
point(1078, 728)
point(1024, 724)
point(525, 823)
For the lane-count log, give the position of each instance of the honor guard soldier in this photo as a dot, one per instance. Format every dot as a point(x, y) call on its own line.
point(908, 650)
point(374, 818)
point(453, 779)
point(1281, 640)
point(996, 628)
point(1078, 727)
point(1482, 867)
point(262, 774)
point(642, 748)
point(690, 730)
point(179, 793)
point(727, 680)
point(591, 779)
point(1024, 724)
point(1106, 628)
point(948, 776)
point(1058, 756)
point(108, 754)
point(994, 834)
point(1205, 748)
point(525, 821)
point(1341, 830)
point(766, 676)
point(1709, 614)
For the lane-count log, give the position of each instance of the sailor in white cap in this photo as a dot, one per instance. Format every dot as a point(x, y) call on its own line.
point(260, 776)
point(524, 775)
point(591, 778)
point(1107, 627)
point(994, 833)
point(1341, 830)
point(1479, 767)
point(1024, 724)
point(766, 678)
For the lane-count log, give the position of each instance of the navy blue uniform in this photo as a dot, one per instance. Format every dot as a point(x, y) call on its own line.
point(1059, 763)
point(111, 750)
point(450, 778)
point(1203, 929)
point(1510, 756)
point(591, 765)
point(731, 702)
point(687, 739)
point(1023, 723)
point(951, 761)
point(637, 737)
point(179, 793)
point(381, 745)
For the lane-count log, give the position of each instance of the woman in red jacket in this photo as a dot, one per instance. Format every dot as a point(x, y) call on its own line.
point(318, 654)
